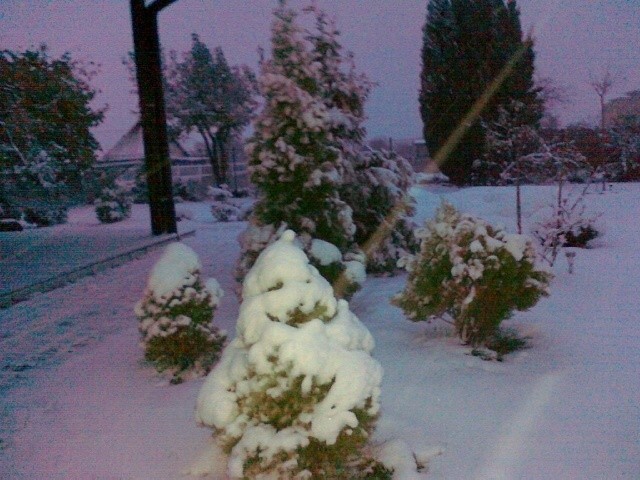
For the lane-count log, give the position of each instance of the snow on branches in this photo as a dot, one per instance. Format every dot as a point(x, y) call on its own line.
point(175, 315)
point(295, 395)
point(474, 272)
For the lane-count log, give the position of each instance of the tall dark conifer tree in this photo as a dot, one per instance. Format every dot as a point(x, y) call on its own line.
point(467, 44)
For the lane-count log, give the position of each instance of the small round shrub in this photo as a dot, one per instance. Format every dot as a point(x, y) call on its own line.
point(175, 315)
point(113, 204)
point(476, 273)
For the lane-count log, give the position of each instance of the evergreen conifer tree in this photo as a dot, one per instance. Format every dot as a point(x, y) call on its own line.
point(295, 395)
point(466, 46)
point(293, 160)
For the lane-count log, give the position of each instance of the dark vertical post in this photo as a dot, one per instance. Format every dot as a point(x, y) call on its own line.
point(146, 45)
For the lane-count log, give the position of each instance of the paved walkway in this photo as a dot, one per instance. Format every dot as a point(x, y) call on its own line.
point(46, 258)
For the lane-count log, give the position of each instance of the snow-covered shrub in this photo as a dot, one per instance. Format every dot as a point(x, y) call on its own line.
point(566, 225)
point(175, 314)
point(45, 214)
point(377, 189)
point(346, 272)
point(220, 194)
point(476, 273)
point(189, 191)
point(113, 204)
point(225, 212)
point(295, 395)
point(226, 207)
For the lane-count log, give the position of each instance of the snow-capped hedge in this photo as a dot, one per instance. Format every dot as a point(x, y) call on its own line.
point(175, 315)
point(476, 273)
point(113, 204)
point(295, 395)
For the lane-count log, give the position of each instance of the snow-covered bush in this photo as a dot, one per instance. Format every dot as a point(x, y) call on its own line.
point(566, 225)
point(175, 315)
point(226, 212)
point(346, 272)
point(295, 395)
point(377, 189)
point(220, 194)
point(226, 207)
point(45, 214)
point(113, 204)
point(476, 273)
point(189, 191)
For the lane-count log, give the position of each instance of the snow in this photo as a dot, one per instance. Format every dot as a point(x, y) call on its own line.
point(326, 253)
point(331, 349)
point(177, 267)
point(78, 402)
point(355, 271)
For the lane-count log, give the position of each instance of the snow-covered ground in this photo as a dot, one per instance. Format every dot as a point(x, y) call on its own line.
point(78, 402)
point(47, 252)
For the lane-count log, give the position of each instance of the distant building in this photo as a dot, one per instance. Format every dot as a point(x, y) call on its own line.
point(127, 157)
point(619, 108)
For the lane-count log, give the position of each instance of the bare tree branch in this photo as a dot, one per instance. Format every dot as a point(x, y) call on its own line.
point(602, 85)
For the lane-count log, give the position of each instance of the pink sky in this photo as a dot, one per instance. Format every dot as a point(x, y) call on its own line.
point(573, 38)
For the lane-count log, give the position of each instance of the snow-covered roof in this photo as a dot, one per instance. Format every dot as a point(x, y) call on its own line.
point(130, 147)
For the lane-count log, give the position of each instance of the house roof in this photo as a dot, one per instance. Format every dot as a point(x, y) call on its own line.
point(130, 147)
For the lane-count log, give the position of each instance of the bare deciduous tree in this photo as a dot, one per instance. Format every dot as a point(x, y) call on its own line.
point(602, 86)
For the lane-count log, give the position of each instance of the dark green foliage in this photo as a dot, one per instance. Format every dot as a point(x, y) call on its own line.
point(377, 189)
point(505, 341)
point(582, 237)
point(45, 214)
point(182, 350)
point(46, 143)
point(189, 191)
point(140, 191)
point(177, 331)
point(466, 44)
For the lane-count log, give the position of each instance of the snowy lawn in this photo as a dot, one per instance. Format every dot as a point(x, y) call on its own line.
point(78, 402)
